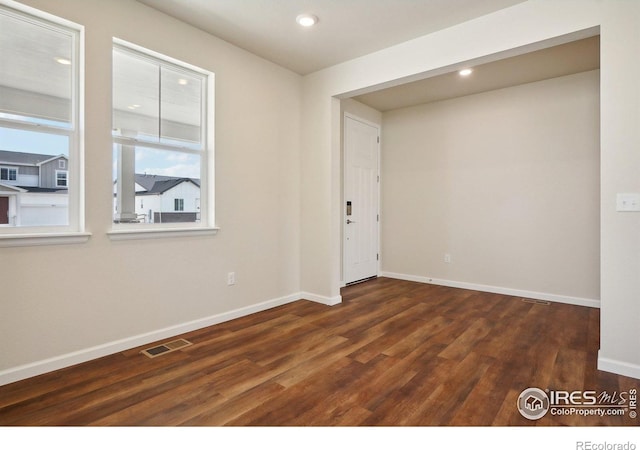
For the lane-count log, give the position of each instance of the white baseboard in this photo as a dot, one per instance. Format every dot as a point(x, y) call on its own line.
point(497, 290)
point(59, 362)
point(329, 301)
point(618, 367)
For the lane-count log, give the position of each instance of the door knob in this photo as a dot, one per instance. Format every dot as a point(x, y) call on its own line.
point(350, 221)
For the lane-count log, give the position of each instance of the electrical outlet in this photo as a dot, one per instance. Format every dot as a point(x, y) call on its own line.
point(447, 258)
point(231, 278)
point(628, 202)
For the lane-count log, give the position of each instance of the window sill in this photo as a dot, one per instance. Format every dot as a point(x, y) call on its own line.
point(28, 240)
point(159, 233)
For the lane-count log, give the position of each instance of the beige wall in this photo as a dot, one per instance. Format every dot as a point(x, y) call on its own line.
point(278, 181)
point(106, 292)
point(506, 182)
point(531, 25)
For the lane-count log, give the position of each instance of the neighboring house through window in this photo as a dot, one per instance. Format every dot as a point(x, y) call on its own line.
point(161, 140)
point(156, 200)
point(39, 124)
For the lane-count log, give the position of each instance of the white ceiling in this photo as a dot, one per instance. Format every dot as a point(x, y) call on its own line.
point(347, 28)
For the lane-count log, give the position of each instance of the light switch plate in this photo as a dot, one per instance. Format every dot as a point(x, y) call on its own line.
point(628, 202)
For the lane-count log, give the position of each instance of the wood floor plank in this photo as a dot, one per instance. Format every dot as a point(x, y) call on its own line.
point(484, 401)
point(92, 384)
point(114, 397)
point(375, 379)
point(392, 330)
point(309, 367)
point(402, 405)
point(168, 408)
point(395, 353)
point(440, 407)
point(508, 414)
point(230, 409)
point(285, 408)
point(465, 343)
point(414, 339)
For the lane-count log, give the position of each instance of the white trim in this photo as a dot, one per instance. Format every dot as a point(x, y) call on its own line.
point(159, 233)
point(152, 55)
point(125, 140)
point(29, 240)
point(618, 367)
point(59, 362)
point(329, 301)
point(592, 303)
point(38, 13)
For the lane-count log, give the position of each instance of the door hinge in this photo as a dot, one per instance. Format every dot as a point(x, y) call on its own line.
point(378, 139)
point(377, 217)
point(378, 178)
point(377, 256)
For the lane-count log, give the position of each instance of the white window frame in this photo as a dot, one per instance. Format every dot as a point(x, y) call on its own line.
point(66, 178)
point(9, 169)
point(74, 232)
point(178, 205)
point(125, 231)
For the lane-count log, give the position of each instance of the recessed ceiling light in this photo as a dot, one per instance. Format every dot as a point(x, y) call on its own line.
point(63, 61)
point(182, 82)
point(465, 72)
point(306, 20)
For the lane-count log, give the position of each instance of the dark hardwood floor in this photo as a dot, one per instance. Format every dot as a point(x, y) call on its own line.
point(393, 353)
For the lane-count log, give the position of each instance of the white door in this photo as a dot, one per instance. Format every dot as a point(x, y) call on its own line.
point(360, 208)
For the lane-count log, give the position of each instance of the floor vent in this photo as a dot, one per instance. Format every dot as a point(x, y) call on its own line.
point(167, 347)
point(536, 302)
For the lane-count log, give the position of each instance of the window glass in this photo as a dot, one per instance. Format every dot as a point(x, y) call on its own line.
point(136, 97)
point(181, 109)
point(39, 106)
point(159, 153)
point(29, 49)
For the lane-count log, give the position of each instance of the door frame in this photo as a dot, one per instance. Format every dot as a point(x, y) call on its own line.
point(343, 214)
